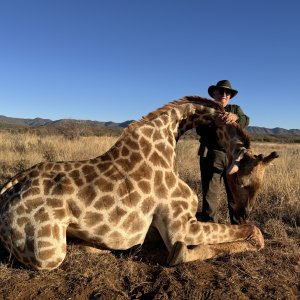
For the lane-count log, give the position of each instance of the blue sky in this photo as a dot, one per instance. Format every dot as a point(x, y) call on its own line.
point(117, 60)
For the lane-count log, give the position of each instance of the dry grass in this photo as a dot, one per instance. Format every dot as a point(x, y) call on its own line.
point(140, 273)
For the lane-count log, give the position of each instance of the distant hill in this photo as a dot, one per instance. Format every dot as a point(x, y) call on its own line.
point(87, 127)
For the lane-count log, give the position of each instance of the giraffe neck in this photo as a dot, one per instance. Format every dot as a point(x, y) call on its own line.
point(154, 137)
point(234, 140)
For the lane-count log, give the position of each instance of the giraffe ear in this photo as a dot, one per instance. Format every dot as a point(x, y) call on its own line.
point(233, 168)
point(266, 160)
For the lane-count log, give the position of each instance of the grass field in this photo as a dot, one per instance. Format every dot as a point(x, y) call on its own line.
point(141, 273)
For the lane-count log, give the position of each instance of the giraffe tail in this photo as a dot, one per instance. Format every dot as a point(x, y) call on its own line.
point(12, 182)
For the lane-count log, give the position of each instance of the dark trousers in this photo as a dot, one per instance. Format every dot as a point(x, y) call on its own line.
point(213, 165)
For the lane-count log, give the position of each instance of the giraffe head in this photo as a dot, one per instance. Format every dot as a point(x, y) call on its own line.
point(245, 171)
point(245, 175)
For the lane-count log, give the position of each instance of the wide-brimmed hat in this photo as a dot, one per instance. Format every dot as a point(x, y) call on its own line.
point(225, 84)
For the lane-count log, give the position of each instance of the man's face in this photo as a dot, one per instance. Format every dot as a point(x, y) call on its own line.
point(222, 96)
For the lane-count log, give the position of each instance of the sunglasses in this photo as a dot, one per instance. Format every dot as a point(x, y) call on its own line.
point(226, 91)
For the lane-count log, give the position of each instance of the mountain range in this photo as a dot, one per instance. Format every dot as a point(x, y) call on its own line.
point(117, 127)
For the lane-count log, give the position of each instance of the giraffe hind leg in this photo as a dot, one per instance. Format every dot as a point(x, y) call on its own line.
point(40, 251)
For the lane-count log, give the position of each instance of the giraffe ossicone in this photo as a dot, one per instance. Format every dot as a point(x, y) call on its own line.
point(111, 201)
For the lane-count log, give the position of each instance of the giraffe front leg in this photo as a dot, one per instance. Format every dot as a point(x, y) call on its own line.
point(209, 240)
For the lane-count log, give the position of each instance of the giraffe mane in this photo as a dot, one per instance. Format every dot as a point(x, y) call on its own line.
point(243, 135)
point(187, 99)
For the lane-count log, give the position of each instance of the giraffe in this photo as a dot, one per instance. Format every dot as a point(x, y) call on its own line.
point(110, 201)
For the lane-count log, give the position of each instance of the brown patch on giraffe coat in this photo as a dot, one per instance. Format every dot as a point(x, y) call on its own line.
point(74, 208)
point(45, 231)
point(54, 202)
point(59, 189)
point(147, 205)
point(104, 166)
point(185, 190)
point(113, 174)
point(144, 186)
point(135, 240)
point(104, 185)
point(35, 182)
point(160, 189)
point(124, 164)
point(116, 239)
point(48, 166)
point(21, 221)
point(44, 244)
point(147, 131)
point(182, 191)
point(90, 177)
point(206, 229)
point(165, 150)
point(170, 179)
point(55, 231)
point(178, 207)
point(132, 199)
point(122, 189)
point(59, 213)
point(68, 167)
point(175, 226)
point(78, 164)
point(57, 167)
point(157, 135)
point(116, 214)
point(124, 151)
point(76, 176)
point(41, 215)
point(20, 210)
point(32, 191)
point(92, 218)
point(195, 228)
point(133, 222)
point(34, 173)
point(32, 204)
point(48, 185)
point(133, 145)
point(101, 230)
point(145, 147)
point(143, 172)
point(87, 194)
point(87, 169)
point(104, 202)
point(158, 123)
point(157, 160)
point(46, 254)
point(135, 158)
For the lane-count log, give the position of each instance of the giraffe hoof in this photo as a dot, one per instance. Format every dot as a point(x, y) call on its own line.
point(177, 254)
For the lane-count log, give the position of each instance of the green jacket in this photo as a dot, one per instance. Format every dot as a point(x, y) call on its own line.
point(208, 135)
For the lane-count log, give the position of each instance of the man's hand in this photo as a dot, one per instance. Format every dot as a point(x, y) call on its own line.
point(226, 118)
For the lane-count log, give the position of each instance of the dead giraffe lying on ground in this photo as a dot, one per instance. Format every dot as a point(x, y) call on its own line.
point(112, 200)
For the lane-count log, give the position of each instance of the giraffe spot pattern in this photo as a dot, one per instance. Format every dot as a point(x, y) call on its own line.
point(101, 230)
point(41, 215)
point(147, 205)
point(104, 202)
point(91, 218)
point(87, 194)
point(74, 208)
point(116, 214)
